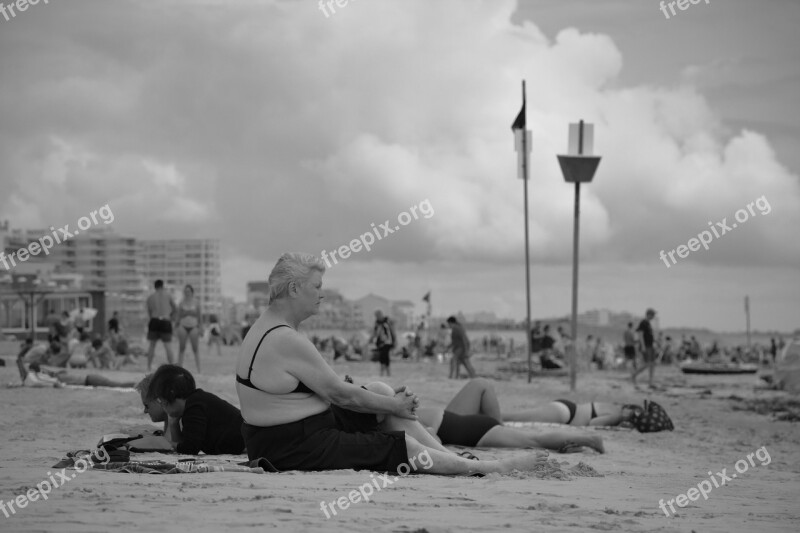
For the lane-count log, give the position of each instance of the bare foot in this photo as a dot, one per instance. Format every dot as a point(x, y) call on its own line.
point(594, 441)
point(524, 463)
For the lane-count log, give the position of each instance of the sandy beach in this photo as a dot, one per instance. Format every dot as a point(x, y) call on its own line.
point(617, 491)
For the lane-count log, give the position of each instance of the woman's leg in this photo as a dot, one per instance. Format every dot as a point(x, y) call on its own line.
point(194, 339)
point(560, 441)
point(182, 335)
point(412, 427)
point(553, 412)
point(94, 380)
point(476, 398)
point(447, 463)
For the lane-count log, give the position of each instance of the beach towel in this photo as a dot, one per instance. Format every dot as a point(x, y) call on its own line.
point(147, 464)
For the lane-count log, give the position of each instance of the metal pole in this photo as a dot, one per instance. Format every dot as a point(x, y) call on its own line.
point(527, 252)
point(573, 371)
point(747, 313)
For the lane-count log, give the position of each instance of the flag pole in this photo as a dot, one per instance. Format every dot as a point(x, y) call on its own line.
point(527, 249)
point(519, 129)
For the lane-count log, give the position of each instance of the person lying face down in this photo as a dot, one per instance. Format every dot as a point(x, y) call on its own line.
point(209, 424)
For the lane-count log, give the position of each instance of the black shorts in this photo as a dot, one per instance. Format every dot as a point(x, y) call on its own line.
point(159, 330)
point(383, 355)
point(464, 430)
point(649, 354)
point(630, 352)
point(332, 440)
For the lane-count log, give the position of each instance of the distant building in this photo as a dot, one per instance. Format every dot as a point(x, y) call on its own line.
point(104, 261)
point(180, 262)
point(258, 295)
point(595, 317)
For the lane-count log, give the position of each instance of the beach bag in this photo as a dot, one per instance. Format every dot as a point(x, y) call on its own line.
point(652, 418)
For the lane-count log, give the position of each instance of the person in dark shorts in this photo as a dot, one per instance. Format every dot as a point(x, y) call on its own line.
point(645, 330)
point(299, 415)
point(472, 418)
point(161, 310)
point(385, 340)
point(629, 339)
point(459, 343)
point(208, 423)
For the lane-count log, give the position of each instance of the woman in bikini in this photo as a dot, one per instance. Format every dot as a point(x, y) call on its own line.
point(188, 325)
point(299, 415)
point(478, 398)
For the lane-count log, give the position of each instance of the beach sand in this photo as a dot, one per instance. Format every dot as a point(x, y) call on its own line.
point(617, 491)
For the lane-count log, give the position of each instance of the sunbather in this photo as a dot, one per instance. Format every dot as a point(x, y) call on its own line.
point(38, 377)
point(478, 397)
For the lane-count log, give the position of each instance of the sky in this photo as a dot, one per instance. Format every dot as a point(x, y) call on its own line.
point(275, 126)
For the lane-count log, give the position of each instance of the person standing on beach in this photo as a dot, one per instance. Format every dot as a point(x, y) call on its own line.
point(629, 338)
point(385, 340)
point(648, 352)
point(459, 343)
point(160, 310)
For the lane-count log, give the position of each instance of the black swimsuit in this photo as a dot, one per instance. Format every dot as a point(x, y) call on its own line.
point(573, 408)
point(464, 430)
point(301, 387)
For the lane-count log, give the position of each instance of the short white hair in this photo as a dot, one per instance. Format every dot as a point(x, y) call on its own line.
point(292, 267)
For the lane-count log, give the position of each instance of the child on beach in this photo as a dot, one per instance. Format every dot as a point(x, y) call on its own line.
point(100, 355)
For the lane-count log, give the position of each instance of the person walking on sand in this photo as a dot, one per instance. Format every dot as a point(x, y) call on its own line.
point(459, 343)
point(385, 340)
point(648, 352)
point(160, 310)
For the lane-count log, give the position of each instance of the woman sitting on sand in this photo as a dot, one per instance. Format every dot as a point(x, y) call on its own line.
point(198, 420)
point(478, 398)
point(300, 415)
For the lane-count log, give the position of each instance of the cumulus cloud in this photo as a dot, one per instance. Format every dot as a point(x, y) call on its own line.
point(273, 127)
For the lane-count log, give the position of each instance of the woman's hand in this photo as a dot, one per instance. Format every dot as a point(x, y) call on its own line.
point(407, 403)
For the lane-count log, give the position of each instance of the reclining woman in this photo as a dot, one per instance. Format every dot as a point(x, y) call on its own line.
point(474, 415)
point(300, 415)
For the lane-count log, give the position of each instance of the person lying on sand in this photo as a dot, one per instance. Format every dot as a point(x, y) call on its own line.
point(39, 377)
point(465, 423)
point(478, 397)
point(300, 415)
point(198, 421)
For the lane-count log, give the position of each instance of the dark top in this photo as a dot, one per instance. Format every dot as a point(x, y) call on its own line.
point(113, 325)
point(548, 342)
point(210, 425)
point(647, 332)
point(459, 338)
point(301, 387)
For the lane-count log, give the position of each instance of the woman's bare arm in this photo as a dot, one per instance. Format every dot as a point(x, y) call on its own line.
point(308, 366)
